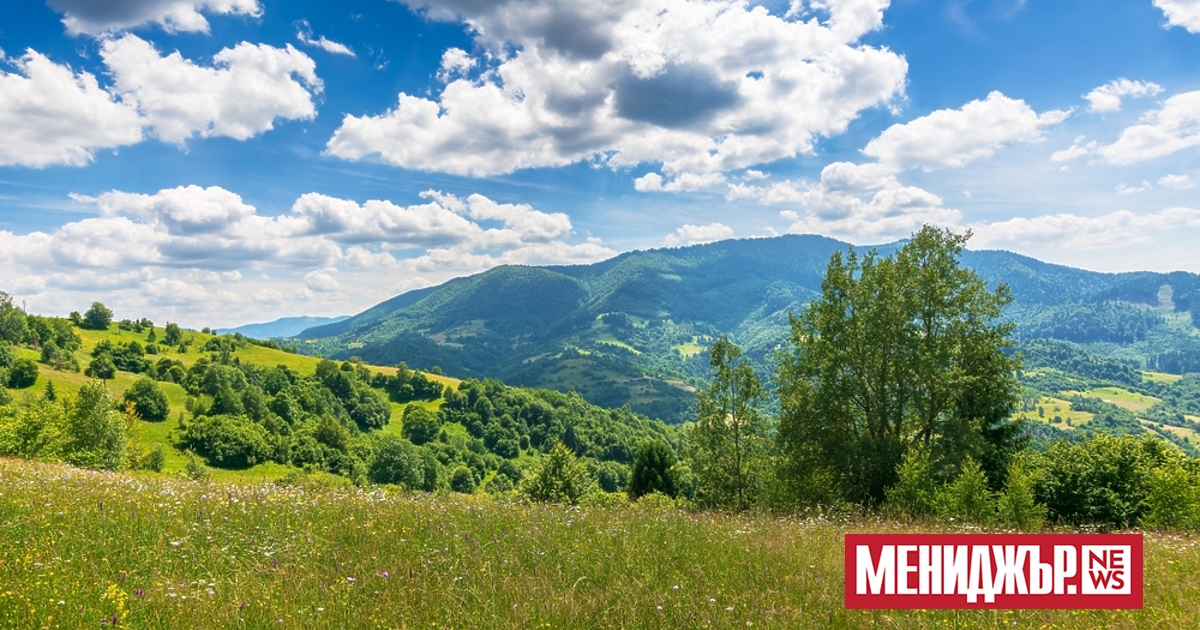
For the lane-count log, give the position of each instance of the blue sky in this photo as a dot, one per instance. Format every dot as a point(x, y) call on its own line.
point(217, 162)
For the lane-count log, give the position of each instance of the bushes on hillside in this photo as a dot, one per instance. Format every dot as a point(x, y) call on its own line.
point(228, 441)
point(150, 403)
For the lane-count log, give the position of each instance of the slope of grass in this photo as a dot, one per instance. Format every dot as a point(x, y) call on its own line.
point(152, 434)
point(83, 547)
point(1123, 398)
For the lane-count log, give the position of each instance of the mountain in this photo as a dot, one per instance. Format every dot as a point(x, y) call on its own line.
point(284, 327)
point(634, 329)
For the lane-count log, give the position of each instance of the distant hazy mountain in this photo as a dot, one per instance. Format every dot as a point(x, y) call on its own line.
point(285, 327)
point(634, 329)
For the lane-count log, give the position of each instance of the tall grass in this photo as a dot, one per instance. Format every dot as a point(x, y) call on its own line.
point(81, 549)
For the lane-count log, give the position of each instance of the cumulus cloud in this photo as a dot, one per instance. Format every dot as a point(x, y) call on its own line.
point(304, 34)
point(196, 251)
point(1174, 127)
point(695, 234)
point(853, 201)
point(693, 85)
point(1071, 231)
point(1107, 97)
point(240, 96)
point(1077, 150)
point(868, 201)
point(1178, 182)
point(52, 115)
point(1184, 13)
point(99, 17)
point(953, 137)
point(684, 182)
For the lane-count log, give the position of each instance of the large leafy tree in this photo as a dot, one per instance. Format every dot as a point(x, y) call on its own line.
point(98, 317)
point(900, 351)
point(729, 441)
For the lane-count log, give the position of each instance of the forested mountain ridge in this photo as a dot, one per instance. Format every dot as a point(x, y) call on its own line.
point(632, 329)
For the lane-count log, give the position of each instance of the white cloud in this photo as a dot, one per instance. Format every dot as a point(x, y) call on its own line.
point(853, 201)
point(191, 252)
point(695, 234)
point(1077, 150)
point(51, 115)
point(1178, 182)
point(248, 87)
point(1107, 97)
point(456, 62)
point(694, 85)
point(1185, 13)
point(1122, 189)
point(684, 182)
point(1174, 127)
point(305, 35)
point(953, 137)
point(1069, 231)
point(98, 17)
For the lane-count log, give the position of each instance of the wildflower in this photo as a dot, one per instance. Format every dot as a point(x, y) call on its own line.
point(139, 592)
point(351, 580)
point(675, 588)
point(385, 575)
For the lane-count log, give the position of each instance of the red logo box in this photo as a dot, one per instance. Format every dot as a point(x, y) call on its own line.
point(906, 571)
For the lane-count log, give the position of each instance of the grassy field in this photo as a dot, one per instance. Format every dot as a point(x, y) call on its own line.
point(1057, 407)
point(1122, 398)
point(1160, 377)
point(83, 548)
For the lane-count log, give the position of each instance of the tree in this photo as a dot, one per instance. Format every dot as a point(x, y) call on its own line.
point(23, 373)
point(561, 478)
point(101, 367)
point(898, 352)
point(150, 403)
point(95, 433)
point(729, 441)
point(173, 336)
point(420, 425)
point(13, 328)
point(652, 471)
point(397, 461)
point(98, 317)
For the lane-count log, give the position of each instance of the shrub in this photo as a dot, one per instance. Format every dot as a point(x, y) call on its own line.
point(22, 373)
point(228, 441)
point(1102, 481)
point(150, 403)
point(462, 480)
point(968, 497)
point(195, 469)
point(561, 478)
point(1173, 498)
point(916, 491)
point(1017, 506)
point(95, 434)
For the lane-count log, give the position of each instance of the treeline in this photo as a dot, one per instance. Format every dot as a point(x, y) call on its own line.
point(1072, 359)
point(1176, 361)
point(1084, 322)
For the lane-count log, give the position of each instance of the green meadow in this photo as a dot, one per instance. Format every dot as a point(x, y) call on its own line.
point(86, 549)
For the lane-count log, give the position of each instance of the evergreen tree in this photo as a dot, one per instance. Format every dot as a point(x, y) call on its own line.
point(652, 471)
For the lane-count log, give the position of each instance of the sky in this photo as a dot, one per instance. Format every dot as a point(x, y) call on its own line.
point(221, 162)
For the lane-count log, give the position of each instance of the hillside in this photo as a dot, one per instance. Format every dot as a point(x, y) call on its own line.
point(253, 411)
point(634, 329)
